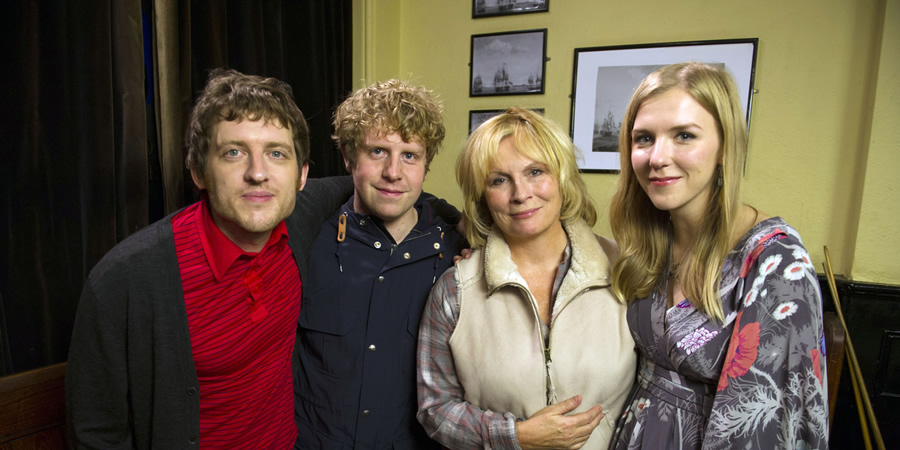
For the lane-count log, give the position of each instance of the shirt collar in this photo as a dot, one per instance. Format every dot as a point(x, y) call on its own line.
point(220, 251)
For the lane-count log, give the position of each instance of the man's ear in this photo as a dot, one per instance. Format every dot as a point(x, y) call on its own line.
point(301, 182)
point(198, 178)
point(346, 161)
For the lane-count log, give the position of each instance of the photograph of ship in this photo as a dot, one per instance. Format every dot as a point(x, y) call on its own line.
point(615, 84)
point(508, 63)
point(487, 8)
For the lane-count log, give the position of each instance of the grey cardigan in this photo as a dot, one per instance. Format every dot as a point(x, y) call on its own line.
point(130, 380)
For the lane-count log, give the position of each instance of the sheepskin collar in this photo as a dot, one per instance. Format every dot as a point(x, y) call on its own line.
point(588, 267)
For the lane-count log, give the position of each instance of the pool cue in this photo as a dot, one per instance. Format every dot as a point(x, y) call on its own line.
point(854, 363)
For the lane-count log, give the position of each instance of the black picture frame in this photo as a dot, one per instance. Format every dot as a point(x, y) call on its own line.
point(494, 8)
point(479, 116)
point(515, 59)
point(604, 79)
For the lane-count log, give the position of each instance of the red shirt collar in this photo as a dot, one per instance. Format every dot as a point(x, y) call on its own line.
point(220, 251)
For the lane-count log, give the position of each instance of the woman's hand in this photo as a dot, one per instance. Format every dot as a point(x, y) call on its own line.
point(551, 428)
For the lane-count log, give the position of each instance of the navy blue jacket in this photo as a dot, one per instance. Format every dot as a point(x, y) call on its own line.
point(355, 383)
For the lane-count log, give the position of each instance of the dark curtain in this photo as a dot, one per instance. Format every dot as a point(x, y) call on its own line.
point(74, 170)
point(80, 138)
point(305, 43)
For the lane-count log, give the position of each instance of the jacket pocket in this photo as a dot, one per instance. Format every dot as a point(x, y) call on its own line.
point(326, 339)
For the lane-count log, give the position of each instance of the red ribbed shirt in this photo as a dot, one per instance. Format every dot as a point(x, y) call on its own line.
point(242, 311)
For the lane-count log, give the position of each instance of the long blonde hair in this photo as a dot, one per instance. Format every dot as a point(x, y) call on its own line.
point(536, 137)
point(643, 232)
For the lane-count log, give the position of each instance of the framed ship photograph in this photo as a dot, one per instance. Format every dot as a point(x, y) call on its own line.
point(480, 116)
point(508, 63)
point(492, 8)
point(605, 78)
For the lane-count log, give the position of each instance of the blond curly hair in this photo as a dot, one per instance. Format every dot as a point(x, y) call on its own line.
point(392, 106)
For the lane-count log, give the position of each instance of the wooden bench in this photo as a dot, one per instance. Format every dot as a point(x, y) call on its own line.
point(33, 409)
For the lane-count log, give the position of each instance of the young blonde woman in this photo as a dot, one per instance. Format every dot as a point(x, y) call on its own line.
point(523, 345)
point(723, 302)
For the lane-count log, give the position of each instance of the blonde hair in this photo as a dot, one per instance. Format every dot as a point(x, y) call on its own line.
point(644, 233)
point(393, 106)
point(536, 137)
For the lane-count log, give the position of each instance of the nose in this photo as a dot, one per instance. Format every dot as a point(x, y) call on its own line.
point(661, 153)
point(520, 191)
point(257, 172)
point(391, 170)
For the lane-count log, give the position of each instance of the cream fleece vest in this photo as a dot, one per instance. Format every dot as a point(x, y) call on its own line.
point(499, 351)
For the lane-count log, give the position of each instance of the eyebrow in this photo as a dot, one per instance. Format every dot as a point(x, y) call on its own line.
point(269, 144)
point(683, 126)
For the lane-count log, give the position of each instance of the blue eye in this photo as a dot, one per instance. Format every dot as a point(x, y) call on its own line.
point(232, 152)
point(498, 181)
point(642, 139)
point(409, 156)
point(536, 172)
point(278, 154)
point(684, 136)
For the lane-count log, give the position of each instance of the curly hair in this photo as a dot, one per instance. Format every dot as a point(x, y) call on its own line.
point(536, 137)
point(393, 106)
point(230, 95)
point(644, 232)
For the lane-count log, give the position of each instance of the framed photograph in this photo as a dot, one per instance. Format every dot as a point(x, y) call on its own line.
point(508, 63)
point(480, 116)
point(606, 77)
point(491, 8)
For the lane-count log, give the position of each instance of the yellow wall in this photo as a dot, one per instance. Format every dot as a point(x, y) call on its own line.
point(877, 255)
point(820, 67)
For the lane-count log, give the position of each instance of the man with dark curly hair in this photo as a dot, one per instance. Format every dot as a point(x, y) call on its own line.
point(373, 265)
point(184, 330)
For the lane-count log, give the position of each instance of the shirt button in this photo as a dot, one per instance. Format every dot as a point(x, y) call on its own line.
point(437, 246)
point(406, 255)
point(191, 391)
point(372, 348)
point(381, 279)
point(362, 222)
point(192, 440)
point(366, 413)
point(377, 244)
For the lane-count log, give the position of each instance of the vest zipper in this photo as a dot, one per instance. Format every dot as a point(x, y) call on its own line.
point(548, 364)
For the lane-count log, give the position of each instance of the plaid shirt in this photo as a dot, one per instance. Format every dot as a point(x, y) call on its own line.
point(446, 416)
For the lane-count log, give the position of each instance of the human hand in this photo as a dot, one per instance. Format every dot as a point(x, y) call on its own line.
point(551, 428)
point(465, 253)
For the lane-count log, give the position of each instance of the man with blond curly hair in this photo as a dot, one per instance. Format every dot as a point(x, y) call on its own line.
point(372, 267)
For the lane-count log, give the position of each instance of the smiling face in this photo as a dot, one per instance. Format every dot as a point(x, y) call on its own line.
point(388, 179)
point(522, 196)
point(251, 179)
point(674, 153)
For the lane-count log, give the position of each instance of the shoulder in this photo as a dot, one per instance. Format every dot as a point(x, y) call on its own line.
point(148, 253)
point(452, 239)
point(774, 259)
point(153, 241)
point(315, 186)
point(469, 270)
point(592, 252)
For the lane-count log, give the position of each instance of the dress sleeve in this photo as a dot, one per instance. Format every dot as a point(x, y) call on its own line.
point(772, 391)
point(443, 413)
point(98, 414)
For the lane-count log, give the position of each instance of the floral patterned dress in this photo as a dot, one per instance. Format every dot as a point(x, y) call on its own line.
point(755, 382)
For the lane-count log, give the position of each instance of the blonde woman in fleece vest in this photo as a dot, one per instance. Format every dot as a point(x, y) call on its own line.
point(523, 345)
